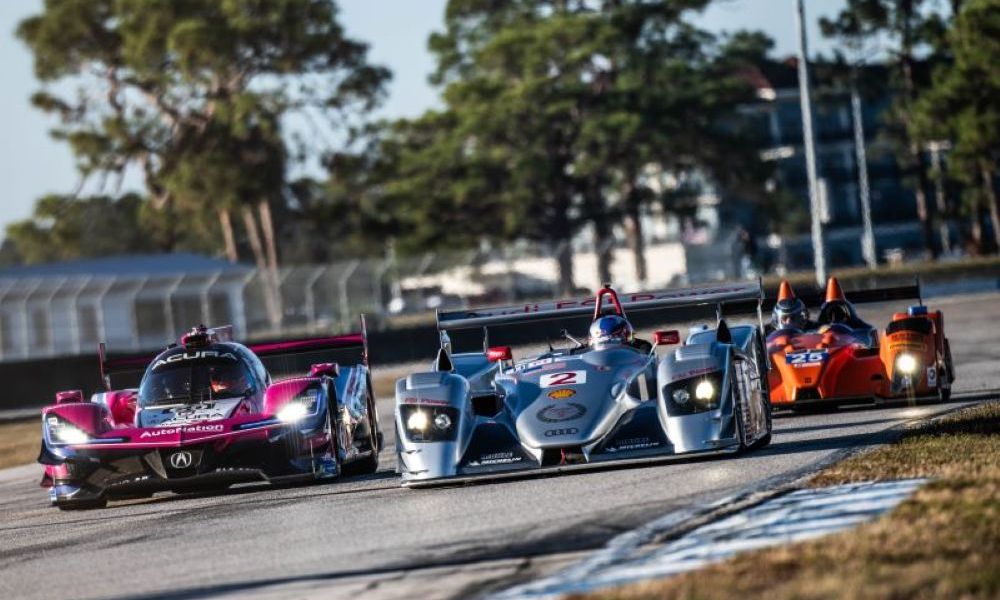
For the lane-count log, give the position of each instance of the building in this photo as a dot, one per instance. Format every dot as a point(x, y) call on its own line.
point(778, 119)
point(131, 302)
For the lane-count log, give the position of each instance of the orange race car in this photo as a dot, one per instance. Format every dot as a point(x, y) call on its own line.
point(839, 358)
point(917, 355)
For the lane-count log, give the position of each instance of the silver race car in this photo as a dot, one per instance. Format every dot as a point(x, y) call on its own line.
point(607, 398)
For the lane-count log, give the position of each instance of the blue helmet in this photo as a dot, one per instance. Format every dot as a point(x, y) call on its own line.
point(610, 329)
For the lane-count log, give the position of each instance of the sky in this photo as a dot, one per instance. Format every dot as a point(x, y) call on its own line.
point(32, 164)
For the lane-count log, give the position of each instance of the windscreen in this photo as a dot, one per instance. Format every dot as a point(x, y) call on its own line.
point(194, 381)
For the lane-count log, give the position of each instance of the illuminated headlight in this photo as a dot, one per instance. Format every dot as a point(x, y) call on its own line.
point(705, 390)
point(428, 423)
point(906, 364)
point(64, 433)
point(418, 421)
point(681, 396)
point(300, 407)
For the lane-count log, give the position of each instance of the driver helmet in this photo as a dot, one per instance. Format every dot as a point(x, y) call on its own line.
point(790, 314)
point(227, 380)
point(611, 329)
point(839, 313)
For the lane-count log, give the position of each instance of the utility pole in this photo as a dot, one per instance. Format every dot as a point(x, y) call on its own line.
point(819, 257)
point(936, 147)
point(867, 234)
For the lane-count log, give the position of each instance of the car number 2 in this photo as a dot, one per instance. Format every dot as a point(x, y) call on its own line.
point(564, 378)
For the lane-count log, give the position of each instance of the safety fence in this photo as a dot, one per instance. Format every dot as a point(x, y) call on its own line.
point(60, 315)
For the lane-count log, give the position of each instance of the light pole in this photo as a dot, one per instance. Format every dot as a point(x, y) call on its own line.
point(936, 147)
point(819, 257)
point(867, 234)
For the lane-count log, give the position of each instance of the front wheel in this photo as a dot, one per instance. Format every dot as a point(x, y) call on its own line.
point(369, 464)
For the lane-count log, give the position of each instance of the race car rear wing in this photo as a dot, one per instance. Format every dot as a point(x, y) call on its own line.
point(738, 297)
point(815, 298)
point(137, 363)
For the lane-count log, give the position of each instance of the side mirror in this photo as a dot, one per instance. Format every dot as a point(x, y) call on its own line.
point(330, 369)
point(499, 353)
point(69, 396)
point(662, 338)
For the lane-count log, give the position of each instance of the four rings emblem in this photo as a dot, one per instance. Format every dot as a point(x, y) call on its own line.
point(181, 460)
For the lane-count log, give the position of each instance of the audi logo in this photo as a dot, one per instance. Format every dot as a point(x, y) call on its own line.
point(559, 432)
point(181, 460)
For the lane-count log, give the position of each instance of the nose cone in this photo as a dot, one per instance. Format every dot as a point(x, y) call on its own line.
point(549, 423)
point(834, 291)
point(785, 292)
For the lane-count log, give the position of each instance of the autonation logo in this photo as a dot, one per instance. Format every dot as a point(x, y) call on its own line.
point(153, 433)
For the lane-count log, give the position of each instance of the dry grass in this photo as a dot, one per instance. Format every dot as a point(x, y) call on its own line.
point(944, 542)
point(19, 442)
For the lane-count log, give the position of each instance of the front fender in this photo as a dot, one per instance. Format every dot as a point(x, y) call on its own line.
point(435, 453)
point(691, 428)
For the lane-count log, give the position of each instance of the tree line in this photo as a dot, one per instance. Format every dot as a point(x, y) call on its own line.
point(557, 115)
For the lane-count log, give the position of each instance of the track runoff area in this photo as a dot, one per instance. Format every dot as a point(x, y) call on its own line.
point(367, 535)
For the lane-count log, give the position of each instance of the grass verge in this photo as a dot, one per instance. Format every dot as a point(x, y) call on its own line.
point(944, 542)
point(19, 442)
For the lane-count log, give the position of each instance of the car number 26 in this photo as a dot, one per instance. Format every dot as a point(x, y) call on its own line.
point(564, 378)
point(809, 357)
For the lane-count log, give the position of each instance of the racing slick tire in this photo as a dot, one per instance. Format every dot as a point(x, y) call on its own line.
point(945, 379)
point(369, 464)
point(766, 440)
point(741, 431)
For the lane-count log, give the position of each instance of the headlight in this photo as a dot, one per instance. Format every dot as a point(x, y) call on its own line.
point(428, 423)
point(693, 395)
point(442, 421)
point(64, 433)
point(418, 421)
point(705, 390)
point(299, 407)
point(907, 364)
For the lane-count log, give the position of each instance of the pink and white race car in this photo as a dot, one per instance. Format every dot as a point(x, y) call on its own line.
point(207, 415)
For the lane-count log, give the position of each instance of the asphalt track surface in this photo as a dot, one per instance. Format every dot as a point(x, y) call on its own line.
point(368, 536)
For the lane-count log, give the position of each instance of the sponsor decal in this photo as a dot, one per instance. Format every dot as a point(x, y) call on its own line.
point(561, 432)
point(562, 394)
point(557, 413)
point(425, 401)
point(694, 373)
point(497, 458)
point(193, 356)
point(563, 378)
point(912, 347)
point(633, 444)
point(161, 431)
point(932, 376)
point(532, 364)
point(181, 460)
point(806, 358)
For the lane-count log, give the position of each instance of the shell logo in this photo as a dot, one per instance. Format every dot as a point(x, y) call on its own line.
point(562, 394)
